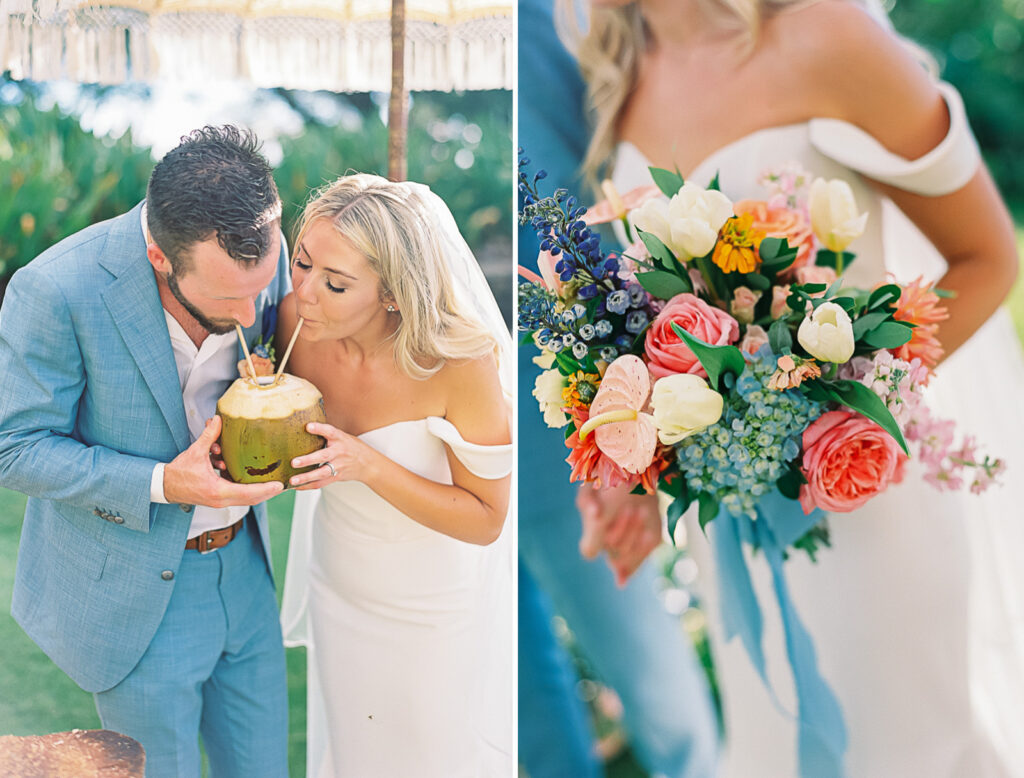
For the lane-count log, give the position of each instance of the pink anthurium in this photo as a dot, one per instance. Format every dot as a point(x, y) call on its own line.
point(622, 431)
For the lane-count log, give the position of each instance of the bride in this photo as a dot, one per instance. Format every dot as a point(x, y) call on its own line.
point(916, 612)
point(399, 574)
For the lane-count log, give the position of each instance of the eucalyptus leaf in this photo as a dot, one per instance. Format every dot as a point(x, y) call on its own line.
point(770, 248)
point(868, 321)
point(889, 334)
point(663, 284)
point(668, 181)
point(716, 360)
point(884, 295)
point(757, 281)
point(780, 339)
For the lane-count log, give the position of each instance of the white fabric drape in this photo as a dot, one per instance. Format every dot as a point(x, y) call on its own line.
point(301, 44)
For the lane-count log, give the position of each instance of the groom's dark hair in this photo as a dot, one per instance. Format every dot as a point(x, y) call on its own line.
point(215, 183)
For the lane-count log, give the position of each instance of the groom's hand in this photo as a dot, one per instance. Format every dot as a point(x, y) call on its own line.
point(192, 480)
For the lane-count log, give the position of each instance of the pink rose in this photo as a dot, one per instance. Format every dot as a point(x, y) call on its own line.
point(847, 460)
point(779, 296)
point(743, 302)
point(754, 338)
point(666, 352)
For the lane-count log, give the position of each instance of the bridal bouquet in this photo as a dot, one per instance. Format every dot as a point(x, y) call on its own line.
point(720, 357)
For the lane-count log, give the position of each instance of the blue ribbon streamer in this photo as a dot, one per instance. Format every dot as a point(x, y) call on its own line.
point(821, 737)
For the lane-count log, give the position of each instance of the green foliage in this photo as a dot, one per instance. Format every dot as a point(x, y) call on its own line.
point(58, 178)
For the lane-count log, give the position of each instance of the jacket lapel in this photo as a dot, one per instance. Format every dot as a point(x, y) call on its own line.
point(134, 306)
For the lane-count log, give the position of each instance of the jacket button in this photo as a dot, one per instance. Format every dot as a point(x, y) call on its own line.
point(186, 508)
point(118, 519)
point(167, 575)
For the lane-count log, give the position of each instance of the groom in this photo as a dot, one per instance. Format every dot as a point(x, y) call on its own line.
point(142, 573)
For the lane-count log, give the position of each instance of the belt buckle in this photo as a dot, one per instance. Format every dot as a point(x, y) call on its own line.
point(204, 543)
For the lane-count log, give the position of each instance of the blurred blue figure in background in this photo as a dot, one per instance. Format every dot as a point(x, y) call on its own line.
point(634, 645)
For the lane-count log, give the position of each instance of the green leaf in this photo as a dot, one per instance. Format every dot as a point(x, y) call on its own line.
point(708, 509)
point(944, 293)
point(664, 285)
point(638, 490)
point(714, 185)
point(770, 248)
point(676, 509)
point(888, 334)
point(667, 181)
point(790, 482)
point(713, 273)
point(868, 322)
point(855, 395)
point(716, 360)
point(757, 281)
point(779, 337)
point(566, 364)
point(809, 289)
point(526, 337)
point(884, 295)
point(658, 250)
point(826, 258)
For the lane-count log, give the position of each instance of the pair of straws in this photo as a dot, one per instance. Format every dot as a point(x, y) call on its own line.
point(284, 359)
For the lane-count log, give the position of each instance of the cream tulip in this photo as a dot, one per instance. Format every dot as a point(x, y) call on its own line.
point(688, 223)
point(683, 405)
point(547, 389)
point(834, 216)
point(827, 334)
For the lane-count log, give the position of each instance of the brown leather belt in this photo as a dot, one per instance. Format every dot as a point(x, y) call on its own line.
point(213, 539)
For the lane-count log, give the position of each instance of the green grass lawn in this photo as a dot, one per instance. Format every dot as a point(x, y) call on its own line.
point(36, 698)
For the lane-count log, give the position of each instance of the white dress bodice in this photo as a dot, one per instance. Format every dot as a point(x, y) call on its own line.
point(409, 631)
point(916, 611)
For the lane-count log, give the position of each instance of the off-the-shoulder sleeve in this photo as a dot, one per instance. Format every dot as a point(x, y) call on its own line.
point(489, 462)
point(944, 169)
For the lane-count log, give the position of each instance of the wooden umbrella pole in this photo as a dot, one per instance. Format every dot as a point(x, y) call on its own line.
point(398, 105)
point(245, 350)
point(288, 351)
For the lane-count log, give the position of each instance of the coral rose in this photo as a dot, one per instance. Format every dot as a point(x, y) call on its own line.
point(847, 460)
point(666, 352)
point(781, 222)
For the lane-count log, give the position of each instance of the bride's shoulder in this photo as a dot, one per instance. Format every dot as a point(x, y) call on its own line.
point(858, 70)
point(473, 399)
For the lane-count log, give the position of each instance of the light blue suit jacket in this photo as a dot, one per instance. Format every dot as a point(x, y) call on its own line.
point(90, 401)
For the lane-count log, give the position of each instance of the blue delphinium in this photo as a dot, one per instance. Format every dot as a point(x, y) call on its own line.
point(740, 457)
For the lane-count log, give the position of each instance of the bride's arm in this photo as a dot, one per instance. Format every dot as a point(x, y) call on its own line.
point(471, 509)
point(874, 82)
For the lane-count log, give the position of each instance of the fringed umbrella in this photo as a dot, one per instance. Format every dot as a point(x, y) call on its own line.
point(342, 46)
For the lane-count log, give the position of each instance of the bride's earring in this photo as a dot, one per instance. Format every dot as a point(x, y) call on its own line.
point(392, 309)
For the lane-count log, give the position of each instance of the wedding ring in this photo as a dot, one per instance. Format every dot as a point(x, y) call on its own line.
point(334, 473)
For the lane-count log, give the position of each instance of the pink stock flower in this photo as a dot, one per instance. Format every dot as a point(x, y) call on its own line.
point(666, 352)
point(816, 274)
point(847, 460)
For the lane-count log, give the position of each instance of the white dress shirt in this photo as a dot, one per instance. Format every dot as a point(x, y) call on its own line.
point(205, 373)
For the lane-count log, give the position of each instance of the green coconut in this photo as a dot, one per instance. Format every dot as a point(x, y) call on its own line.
point(264, 428)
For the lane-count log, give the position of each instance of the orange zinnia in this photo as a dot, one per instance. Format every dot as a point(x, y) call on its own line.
point(921, 306)
point(736, 250)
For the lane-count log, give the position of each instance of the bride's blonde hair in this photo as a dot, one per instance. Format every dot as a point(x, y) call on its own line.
point(608, 46)
point(389, 224)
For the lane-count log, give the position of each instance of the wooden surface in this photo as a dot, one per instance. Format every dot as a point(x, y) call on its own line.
point(94, 753)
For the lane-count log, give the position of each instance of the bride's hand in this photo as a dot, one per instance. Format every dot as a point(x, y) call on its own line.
point(344, 458)
point(626, 526)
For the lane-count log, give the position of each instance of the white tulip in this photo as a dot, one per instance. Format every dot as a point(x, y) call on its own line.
point(547, 389)
point(684, 405)
point(688, 223)
point(834, 216)
point(827, 334)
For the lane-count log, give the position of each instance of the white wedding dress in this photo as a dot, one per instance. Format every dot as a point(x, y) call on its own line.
point(917, 611)
point(409, 632)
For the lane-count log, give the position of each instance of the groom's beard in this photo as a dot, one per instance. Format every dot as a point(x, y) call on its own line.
point(213, 326)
